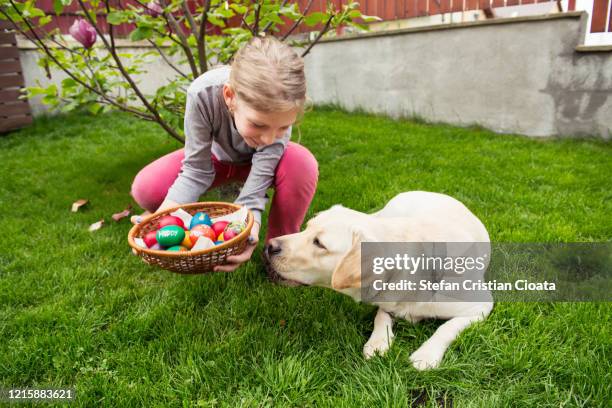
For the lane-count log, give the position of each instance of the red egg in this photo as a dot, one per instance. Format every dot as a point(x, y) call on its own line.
point(201, 230)
point(150, 238)
point(170, 220)
point(219, 226)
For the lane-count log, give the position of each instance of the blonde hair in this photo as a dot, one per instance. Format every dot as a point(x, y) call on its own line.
point(268, 76)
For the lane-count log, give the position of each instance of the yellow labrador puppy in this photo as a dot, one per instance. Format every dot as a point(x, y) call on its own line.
point(327, 254)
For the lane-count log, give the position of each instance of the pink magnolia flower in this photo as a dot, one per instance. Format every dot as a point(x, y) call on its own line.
point(154, 9)
point(83, 32)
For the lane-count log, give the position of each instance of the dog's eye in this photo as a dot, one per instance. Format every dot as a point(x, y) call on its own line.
point(318, 243)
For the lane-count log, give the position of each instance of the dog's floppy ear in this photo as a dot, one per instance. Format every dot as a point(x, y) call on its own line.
point(348, 271)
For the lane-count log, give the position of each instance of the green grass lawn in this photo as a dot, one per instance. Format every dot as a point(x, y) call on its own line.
point(78, 310)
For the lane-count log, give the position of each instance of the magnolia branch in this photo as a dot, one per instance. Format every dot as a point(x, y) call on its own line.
point(111, 48)
point(321, 33)
point(42, 46)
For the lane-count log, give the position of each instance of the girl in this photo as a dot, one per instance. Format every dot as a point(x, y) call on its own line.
point(237, 126)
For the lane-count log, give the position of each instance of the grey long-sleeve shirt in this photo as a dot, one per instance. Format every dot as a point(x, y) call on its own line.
point(209, 129)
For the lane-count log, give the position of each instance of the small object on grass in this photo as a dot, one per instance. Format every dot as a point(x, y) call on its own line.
point(121, 215)
point(170, 235)
point(78, 204)
point(96, 226)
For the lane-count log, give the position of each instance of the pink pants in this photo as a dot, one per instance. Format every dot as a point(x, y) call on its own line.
point(295, 182)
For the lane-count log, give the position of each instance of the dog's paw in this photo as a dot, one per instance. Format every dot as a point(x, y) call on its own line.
point(413, 319)
point(426, 358)
point(376, 346)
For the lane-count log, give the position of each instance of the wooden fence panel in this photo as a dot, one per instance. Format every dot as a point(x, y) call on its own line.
point(610, 12)
point(14, 112)
point(600, 12)
point(387, 10)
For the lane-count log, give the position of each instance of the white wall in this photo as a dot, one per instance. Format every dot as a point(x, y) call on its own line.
point(520, 75)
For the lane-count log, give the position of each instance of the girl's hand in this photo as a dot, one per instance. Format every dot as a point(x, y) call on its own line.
point(137, 219)
point(233, 262)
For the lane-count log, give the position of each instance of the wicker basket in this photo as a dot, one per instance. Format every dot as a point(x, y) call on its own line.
point(191, 262)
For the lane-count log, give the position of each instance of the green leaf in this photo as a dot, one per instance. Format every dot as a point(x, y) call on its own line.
point(275, 18)
point(225, 13)
point(234, 30)
point(358, 25)
point(215, 21)
point(50, 100)
point(315, 18)
point(290, 12)
point(95, 108)
point(68, 83)
point(116, 17)
point(70, 106)
point(141, 33)
point(58, 7)
point(33, 12)
point(238, 8)
point(44, 20)
point(369, 19)
point(51, 90)
point(35, 91)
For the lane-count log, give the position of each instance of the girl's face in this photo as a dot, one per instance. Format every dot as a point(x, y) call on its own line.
point(258, 128)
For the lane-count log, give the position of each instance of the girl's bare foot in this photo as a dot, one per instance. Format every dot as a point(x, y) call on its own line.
point(135, 219)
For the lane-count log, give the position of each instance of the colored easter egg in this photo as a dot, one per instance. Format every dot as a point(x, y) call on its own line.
point(218, 242)
point(219, 226)
point(200, 218)
point(170, 220)
point(229, 234)
point(221, 238)
point(150, 239)
point(177, 248)
point(232, 230)
point(199, 231)
point(170, 235)
point(187, 241)
point(236, 226)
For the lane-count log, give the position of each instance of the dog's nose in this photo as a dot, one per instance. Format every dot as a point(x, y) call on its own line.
point(273, 248)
